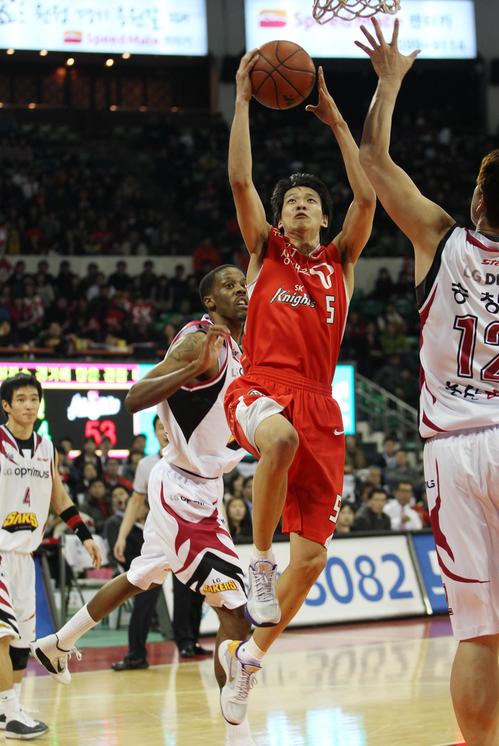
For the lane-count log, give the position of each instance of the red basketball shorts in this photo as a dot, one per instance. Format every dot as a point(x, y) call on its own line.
point(315, 478)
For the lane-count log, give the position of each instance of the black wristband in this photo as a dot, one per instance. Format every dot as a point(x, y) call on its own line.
point(72, 517)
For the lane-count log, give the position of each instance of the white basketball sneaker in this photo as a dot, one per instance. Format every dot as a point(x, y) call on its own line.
point(21, 726)
point(240, 679)
point(46, 650)
point(262, 608)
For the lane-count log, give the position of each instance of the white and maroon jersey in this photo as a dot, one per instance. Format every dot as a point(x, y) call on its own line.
point(194, 418)
point(25, 492)
point(459, 308)
point(297, 311)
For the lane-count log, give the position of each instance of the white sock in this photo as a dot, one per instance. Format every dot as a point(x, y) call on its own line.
point(239, 735)
point(75, 628)
point(17, 689)
point(251, 651)
point(8, 702)
point(262, 554)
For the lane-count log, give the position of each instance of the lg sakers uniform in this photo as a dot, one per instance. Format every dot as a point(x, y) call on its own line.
point(459, 308)
point(296, 318)
point(185, 530)
point(26, 480)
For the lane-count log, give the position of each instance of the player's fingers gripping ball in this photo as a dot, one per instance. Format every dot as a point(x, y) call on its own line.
point(283, 75)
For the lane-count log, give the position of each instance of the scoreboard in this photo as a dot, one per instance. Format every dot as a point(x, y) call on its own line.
point(88, 399)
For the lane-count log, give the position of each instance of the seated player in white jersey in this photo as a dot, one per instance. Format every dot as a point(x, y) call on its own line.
point(185, 530)
point(459, 414)
point(29, 484)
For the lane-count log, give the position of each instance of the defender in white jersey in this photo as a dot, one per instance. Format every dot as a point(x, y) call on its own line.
point(185, 530)
point(29, 484)
point(459, 310)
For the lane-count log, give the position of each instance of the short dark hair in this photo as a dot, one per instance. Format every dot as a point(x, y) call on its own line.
point(97, 479)
point(302, 180)
point(156, 418)
point(377, 488)
point(208, 281)
point(19, 381)
point(488, 183)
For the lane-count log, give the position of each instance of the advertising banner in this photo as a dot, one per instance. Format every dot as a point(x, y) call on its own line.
point(442, 29)
point(109, 26)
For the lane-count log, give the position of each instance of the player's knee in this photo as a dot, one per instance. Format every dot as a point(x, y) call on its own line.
point(19, 658)
point(308, 569)
point(280, 446)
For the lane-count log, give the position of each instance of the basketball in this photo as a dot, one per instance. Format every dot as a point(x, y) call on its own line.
point(283, 75)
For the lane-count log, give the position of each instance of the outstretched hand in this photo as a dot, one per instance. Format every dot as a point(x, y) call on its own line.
point(386, 58)
point(326, 108)
point(243, 80)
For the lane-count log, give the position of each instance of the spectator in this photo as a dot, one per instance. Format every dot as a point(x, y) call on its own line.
point(206, 256)
point(370, 516)
point(130, 466)
point(112, 477)
point(139, 443)
point(88, 474)
point(8, 337)
point(88, 448)
point(349, 485)
point(105, 446)
point(121, 280)
point(234, 485)
point(354, 455)
point(383, 287)
point(345, 519)
point(239, 519)
point(402, 516)
point(388, 458)
point(247, 491)
point(112, 525)
point(402, 472)
point(97, 504)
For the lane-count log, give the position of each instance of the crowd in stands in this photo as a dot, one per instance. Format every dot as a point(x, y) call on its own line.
point(68, 199)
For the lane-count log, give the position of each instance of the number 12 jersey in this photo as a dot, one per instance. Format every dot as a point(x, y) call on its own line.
point(459, 309)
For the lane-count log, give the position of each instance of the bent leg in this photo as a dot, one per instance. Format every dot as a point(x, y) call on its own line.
point(475, 690)
point(110, 596)
point(308, 559)
point(277, 441)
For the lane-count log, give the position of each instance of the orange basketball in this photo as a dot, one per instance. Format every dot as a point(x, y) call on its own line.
point(283, 75)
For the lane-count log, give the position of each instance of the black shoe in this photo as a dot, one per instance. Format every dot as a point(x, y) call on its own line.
point(187, 651)
point(21, 726)
point(127, 664)
point(202, 651)
point(2, 722)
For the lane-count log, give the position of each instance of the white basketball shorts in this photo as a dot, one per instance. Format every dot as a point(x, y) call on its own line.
point(185, 531)
point(462, 480)
point(17, 598)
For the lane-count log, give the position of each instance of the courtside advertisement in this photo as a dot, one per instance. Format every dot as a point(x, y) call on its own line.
point(109, 26)
point(442, 29)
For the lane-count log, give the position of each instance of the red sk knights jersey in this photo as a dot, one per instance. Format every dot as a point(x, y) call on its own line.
point(459, 309)
point(297, 312)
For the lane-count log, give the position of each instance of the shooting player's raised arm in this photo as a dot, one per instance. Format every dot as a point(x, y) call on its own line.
point(250, 211)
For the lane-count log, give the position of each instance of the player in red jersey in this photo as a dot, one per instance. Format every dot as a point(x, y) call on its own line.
point(299, 292)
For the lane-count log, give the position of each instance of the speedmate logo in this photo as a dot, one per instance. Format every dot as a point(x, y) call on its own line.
point(20, 522)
